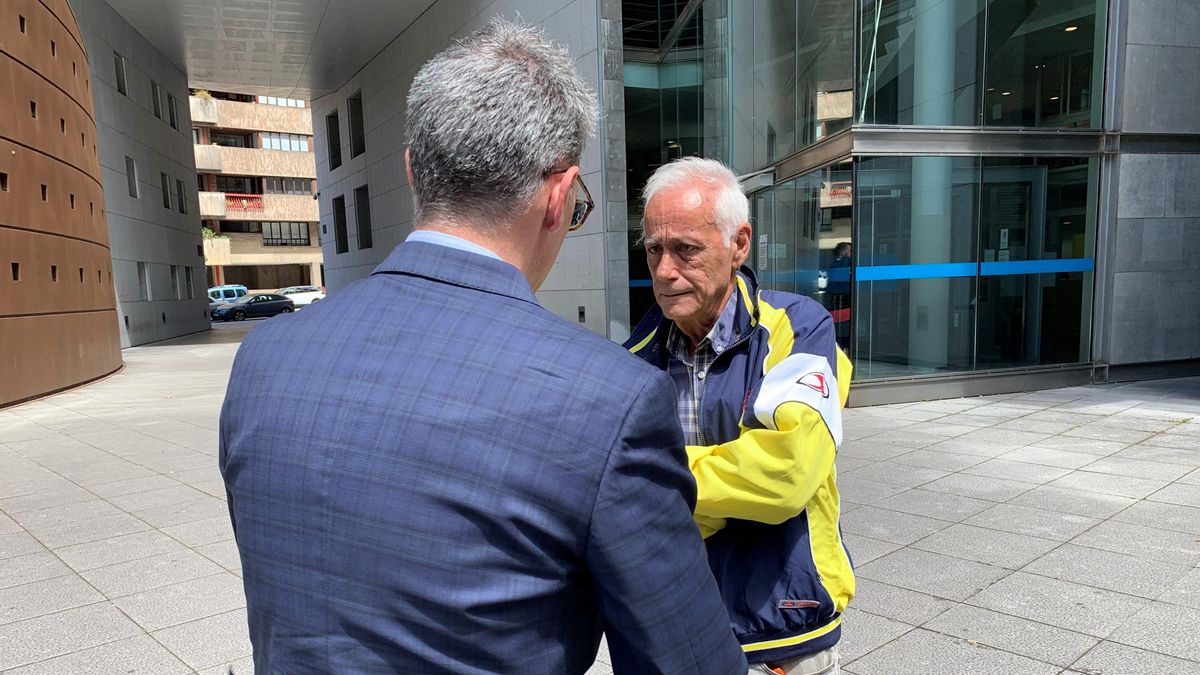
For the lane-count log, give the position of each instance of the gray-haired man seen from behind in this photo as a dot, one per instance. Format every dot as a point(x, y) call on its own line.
point(444, 477)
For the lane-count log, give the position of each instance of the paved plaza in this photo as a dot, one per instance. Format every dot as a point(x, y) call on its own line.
point(1048, 532)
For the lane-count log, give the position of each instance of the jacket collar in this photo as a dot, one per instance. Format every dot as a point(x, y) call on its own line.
point(457, 267)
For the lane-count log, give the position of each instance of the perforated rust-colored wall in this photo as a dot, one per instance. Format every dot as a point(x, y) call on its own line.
point(58, 319)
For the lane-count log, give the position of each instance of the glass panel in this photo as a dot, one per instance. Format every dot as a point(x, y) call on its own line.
point(792, 63)
point(1040, 63)
point(906, 327)
point(1045, 63)
point(1033, 319)
point(916, 210)
point(803, 240)
point(920, 61)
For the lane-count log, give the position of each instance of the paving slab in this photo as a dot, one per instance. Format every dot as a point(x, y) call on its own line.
point(1111, 658)
point(1075, 607)
point(921, 652)
point(1013, 634)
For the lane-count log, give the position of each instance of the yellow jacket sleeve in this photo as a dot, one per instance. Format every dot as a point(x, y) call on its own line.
point(770, 474)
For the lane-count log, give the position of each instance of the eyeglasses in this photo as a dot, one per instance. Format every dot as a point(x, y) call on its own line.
point(583, 206)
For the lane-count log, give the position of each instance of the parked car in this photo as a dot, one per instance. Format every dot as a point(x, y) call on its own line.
point(248, 306)
point(227, 293)
point(303, 296)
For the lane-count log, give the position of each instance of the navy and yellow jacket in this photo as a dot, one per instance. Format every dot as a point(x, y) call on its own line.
point(767, 498)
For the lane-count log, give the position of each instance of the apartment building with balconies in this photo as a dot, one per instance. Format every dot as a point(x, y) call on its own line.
point(257, 177)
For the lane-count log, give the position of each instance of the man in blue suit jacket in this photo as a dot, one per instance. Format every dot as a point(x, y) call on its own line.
point(431, 473)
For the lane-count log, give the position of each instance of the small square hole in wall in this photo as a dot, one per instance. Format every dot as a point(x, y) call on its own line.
point(33, 109)
point(72, 202)
point(54, 273)
point(164, 317)
point(81, 275)
point(21, 22)
point(200, 250)
point(3, 182)
point(99, 276)
point(82, 139)
point(74, 70)
point(126, 322)
point(62, 125)
point(91, 208)
point(16, 271)
point(53, 49)
point(43, 192)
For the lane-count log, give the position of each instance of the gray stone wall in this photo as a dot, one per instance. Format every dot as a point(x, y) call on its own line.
point(1153, 306)
point(592, 269)
point(142, 229)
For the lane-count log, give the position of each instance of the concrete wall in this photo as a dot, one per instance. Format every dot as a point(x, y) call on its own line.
point(1154, 265)
point(141, 229)
point(579, 278)
point(58, 320)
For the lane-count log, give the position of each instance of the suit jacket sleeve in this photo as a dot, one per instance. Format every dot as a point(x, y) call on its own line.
point(660, 604)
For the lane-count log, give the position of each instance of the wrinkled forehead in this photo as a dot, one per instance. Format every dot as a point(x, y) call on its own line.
point(680, 212)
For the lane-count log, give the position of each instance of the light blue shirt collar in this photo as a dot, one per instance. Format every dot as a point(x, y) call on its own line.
point(450, 241)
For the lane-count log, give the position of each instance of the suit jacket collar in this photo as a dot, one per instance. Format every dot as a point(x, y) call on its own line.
point(461, 268)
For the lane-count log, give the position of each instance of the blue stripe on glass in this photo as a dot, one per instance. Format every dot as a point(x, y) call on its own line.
point(640, 283)
point(995, 269)
point(987, 269)
point(929, 271)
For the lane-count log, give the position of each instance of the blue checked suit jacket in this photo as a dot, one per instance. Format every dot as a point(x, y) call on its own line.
point(431, 473)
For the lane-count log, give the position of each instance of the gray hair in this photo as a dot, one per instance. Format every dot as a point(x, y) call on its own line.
point(730, 208)
point(488, 118)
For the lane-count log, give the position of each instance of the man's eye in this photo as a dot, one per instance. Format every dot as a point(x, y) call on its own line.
point(653, 250)
point(686, 249)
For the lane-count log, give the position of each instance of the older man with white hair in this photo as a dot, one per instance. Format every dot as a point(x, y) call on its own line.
point(759, 385)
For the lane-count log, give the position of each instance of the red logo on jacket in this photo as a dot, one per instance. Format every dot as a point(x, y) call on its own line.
point(817, 382)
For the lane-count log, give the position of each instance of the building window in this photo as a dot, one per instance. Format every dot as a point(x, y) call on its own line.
point(981, 64)
point(195, 136)
point(362, 216)
point(287, 186)
point(242, 226)
point(180, 197)
point(285, 102)
point(119, 66)
point(143, 272)
point(286, 142)
point(156, 96)
point(354, 118)
point(176, 287)
point(166, 189)
point(131, 176)
point(171, 110)
point(341, 245)
point(230, 140)
point(241, 185)
point(334, 134)
point(188, 283)
point(285, 234)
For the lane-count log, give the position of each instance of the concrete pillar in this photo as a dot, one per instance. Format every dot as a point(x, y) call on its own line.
point(314, 274)
point(933, 104)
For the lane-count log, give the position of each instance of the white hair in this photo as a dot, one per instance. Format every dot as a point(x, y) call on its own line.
point(489, 118)
point(730, 208)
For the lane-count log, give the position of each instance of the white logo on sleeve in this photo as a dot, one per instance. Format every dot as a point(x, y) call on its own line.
point(801, 378)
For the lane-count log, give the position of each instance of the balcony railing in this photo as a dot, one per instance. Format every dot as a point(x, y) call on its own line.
point(237, 202)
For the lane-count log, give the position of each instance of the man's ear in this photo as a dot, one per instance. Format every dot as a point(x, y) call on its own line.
point(408, 168)
point(556, 201)
point(741, 244)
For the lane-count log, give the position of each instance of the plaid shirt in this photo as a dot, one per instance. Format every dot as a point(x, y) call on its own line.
point(689, 370)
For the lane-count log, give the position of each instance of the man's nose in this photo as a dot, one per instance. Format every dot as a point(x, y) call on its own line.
point(665, 268)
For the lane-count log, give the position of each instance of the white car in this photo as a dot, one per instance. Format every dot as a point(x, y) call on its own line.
point(303, 296)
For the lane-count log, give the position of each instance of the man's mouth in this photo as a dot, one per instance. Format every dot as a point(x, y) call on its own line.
point(674, 295)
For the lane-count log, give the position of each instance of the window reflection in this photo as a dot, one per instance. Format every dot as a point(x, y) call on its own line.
point(982, 62)
point(967, 263)
point(792, 76)
point(803, 234)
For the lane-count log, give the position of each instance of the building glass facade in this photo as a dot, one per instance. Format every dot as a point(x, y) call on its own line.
point(936, 256)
